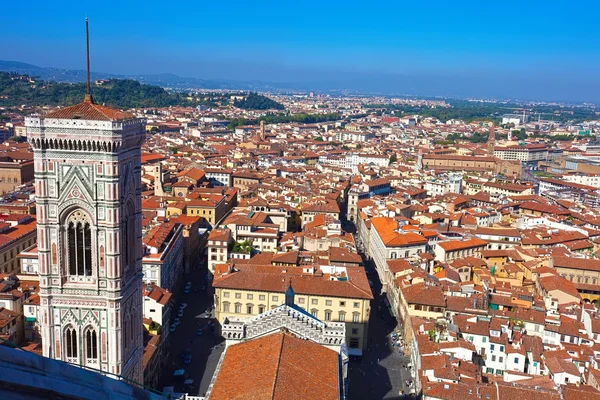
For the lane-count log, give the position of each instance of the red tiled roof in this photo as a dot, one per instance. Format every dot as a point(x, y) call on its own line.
point(88, 110)
point(453, 245)
point(277, 366)
point(269, 279)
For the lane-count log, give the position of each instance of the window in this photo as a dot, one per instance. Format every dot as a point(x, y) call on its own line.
point(261, 309)
point(315, 312)
point(79, 244)
point(492, 347)
point(342, 316)
point(261, 296)
point(501, 359)
point(238, 308)
point(355, 317)
point(484, 339)
point(342, 304)
point(327, 315)
point(249, 308)
point(128, 242)
point(328, 302)
point(301, 300)
point(501, 348)
point(71, 342)
point(516, 360)
point(393, 255)
point(226, 295)
point(91, 345)
point(406, 254)
point(494, 358)
point(354, 342)
point(355, 331)
point(314, 302)
point(275, 298)
point(249, 296)
point(226, 306)
point(238, 295)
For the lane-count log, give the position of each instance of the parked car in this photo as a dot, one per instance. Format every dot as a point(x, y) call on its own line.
point(180, 313)
point(199, 332)
point(188, 359)
point(172, 328)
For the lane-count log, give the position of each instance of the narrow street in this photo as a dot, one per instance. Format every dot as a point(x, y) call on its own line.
point(381, 372)
point(205, 349)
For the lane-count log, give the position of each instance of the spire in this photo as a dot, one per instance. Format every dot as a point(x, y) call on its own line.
point(88, 93)
point(290, 295)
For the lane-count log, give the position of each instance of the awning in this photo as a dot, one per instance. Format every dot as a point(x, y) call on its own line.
point(30, 319)
point(354, 352)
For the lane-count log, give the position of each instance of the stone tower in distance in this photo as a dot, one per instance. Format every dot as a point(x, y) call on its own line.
point(491, 140)
point(88, 190)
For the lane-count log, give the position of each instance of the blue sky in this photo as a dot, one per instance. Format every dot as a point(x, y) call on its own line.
point(502, 44)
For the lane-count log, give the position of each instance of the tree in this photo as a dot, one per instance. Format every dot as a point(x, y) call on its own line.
point(255, 101)
point(242, 247)
point(393, 158)
point(319, 139)
point(520, 134)
point(18, 139)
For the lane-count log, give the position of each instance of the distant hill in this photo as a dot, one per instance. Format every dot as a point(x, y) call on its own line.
point(165, 80)
point(255, 101)
point(16, 90)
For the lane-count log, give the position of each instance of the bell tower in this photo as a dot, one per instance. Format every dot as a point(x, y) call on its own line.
point(88, 194)
point(491, 140)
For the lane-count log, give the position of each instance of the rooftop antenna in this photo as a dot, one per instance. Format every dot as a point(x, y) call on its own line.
point(88, 93)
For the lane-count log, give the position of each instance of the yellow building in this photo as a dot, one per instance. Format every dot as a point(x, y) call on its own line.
point(583, 272)
point(18, 233)
point(329, 293)
point(211, 207)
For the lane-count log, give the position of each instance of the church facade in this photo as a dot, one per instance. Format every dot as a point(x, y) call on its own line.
point(88, 190)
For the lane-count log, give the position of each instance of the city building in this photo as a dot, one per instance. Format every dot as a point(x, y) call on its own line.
point(162, 263)
point(329, 293)
point(88, 189)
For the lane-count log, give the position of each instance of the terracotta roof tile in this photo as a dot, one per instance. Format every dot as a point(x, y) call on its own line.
point(87, 110)
point(282, 367)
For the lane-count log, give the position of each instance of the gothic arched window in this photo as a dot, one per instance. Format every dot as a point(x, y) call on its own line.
point(91, 345)
point(71, 342)
point(129, 237)
point(79, 243)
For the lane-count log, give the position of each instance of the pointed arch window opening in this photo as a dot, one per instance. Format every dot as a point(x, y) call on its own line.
point(71, 345)
point(129, 253)
point(91, 346)
point(79, 246)
point(80, 249)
